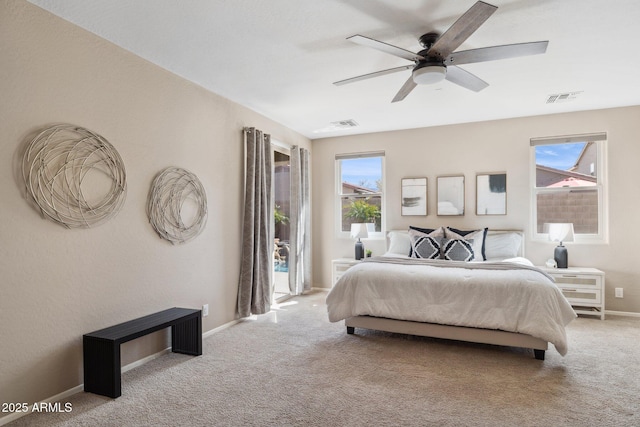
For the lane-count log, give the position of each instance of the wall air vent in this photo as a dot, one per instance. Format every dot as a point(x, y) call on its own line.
point(562, 97)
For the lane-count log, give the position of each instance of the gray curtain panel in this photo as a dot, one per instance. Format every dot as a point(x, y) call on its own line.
point(300, 243)
point(254, 288)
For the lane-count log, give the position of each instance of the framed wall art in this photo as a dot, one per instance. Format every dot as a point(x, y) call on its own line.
point(414, 196)
point(450, 191)
point(491, 194)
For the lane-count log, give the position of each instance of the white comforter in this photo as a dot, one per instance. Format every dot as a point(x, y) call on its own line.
point(504, 296)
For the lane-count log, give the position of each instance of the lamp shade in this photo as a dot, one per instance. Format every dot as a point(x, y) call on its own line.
point(560, 231)
point(359, 231)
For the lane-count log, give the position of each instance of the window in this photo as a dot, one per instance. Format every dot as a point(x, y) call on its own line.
point(568, 175)
point(360, 192)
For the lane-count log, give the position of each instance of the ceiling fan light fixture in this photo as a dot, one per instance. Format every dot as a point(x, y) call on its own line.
point(429, 74)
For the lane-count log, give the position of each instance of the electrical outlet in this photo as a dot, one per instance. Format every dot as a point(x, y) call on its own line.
point(205, 310)
point(619, 293)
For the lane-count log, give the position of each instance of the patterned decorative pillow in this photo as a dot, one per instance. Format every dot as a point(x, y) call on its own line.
point(475, 237)
point(422, 230)
point(424, 245)
point(457, 250)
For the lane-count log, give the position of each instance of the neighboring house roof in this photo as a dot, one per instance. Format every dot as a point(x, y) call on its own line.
point(357, 188)
point(566, 178)
point(572, 182)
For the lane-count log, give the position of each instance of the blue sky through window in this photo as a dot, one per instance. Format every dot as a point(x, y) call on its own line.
point(365, 171)
point(559, 156)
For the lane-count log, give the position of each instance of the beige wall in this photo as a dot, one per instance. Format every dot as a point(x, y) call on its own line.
point(57, 284)
point(495, 146)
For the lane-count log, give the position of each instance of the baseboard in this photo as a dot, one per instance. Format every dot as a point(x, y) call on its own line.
point(622, 313)
point(219, 328)
point(77, 389)
point(144, 360)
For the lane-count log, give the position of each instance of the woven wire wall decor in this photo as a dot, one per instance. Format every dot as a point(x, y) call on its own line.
point(74, 176)
point(171, 191)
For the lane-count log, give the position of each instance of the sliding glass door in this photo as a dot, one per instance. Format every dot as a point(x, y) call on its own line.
point(281, 215)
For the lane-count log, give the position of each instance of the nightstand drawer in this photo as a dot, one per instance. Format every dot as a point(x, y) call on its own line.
point(578, 281)
point(581, 295)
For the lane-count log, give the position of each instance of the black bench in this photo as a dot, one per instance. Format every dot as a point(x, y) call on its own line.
point(101, 349)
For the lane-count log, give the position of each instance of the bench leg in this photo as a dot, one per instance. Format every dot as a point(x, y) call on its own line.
point(101, 367)
point(186, 337)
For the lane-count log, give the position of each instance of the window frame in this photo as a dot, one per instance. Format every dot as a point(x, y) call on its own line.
point(339, 195)
point(600, 139)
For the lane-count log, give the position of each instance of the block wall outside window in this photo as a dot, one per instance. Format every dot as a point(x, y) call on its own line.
point(577, 207)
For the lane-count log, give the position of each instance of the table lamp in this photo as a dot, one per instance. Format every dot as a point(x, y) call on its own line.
point(359, 231)
point(560, 232)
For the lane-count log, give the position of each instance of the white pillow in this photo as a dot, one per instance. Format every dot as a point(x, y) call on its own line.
point(502, 245)
point(399, 243)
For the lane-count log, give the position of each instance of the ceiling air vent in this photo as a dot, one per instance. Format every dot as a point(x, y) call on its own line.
point(339, 125)
point(562, 97)
point(344, 124)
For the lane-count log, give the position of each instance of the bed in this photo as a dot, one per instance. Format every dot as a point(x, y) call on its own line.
point(482, 291)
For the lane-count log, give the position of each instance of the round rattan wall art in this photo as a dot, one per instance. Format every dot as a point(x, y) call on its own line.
point(74, 176)
point(177, 205)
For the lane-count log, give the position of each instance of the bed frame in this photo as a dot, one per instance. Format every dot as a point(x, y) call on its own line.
point(459, 333)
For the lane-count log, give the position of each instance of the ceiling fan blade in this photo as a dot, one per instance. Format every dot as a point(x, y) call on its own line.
point(465, 79)
point(385, 47)
point(371, 75)
point(406, 88)
point(466, 25)
point(496, 52)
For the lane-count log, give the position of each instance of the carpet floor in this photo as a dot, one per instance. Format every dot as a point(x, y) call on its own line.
point(291, 367)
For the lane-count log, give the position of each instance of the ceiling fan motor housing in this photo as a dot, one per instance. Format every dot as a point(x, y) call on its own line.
point(431, 69)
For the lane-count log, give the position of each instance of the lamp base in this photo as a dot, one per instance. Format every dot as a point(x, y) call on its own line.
point(561, 257)
point(359, 250)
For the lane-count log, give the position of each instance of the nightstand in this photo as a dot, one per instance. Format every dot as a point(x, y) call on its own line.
point(582, 286)
point(339, 266)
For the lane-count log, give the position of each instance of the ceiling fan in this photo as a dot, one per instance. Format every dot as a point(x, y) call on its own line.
point(438, 61)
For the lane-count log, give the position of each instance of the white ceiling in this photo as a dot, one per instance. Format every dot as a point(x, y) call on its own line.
point(280, 57)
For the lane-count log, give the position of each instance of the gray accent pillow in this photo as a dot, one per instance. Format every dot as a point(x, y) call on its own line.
point(424, 245)
point(477, 238)
point(457, 250)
